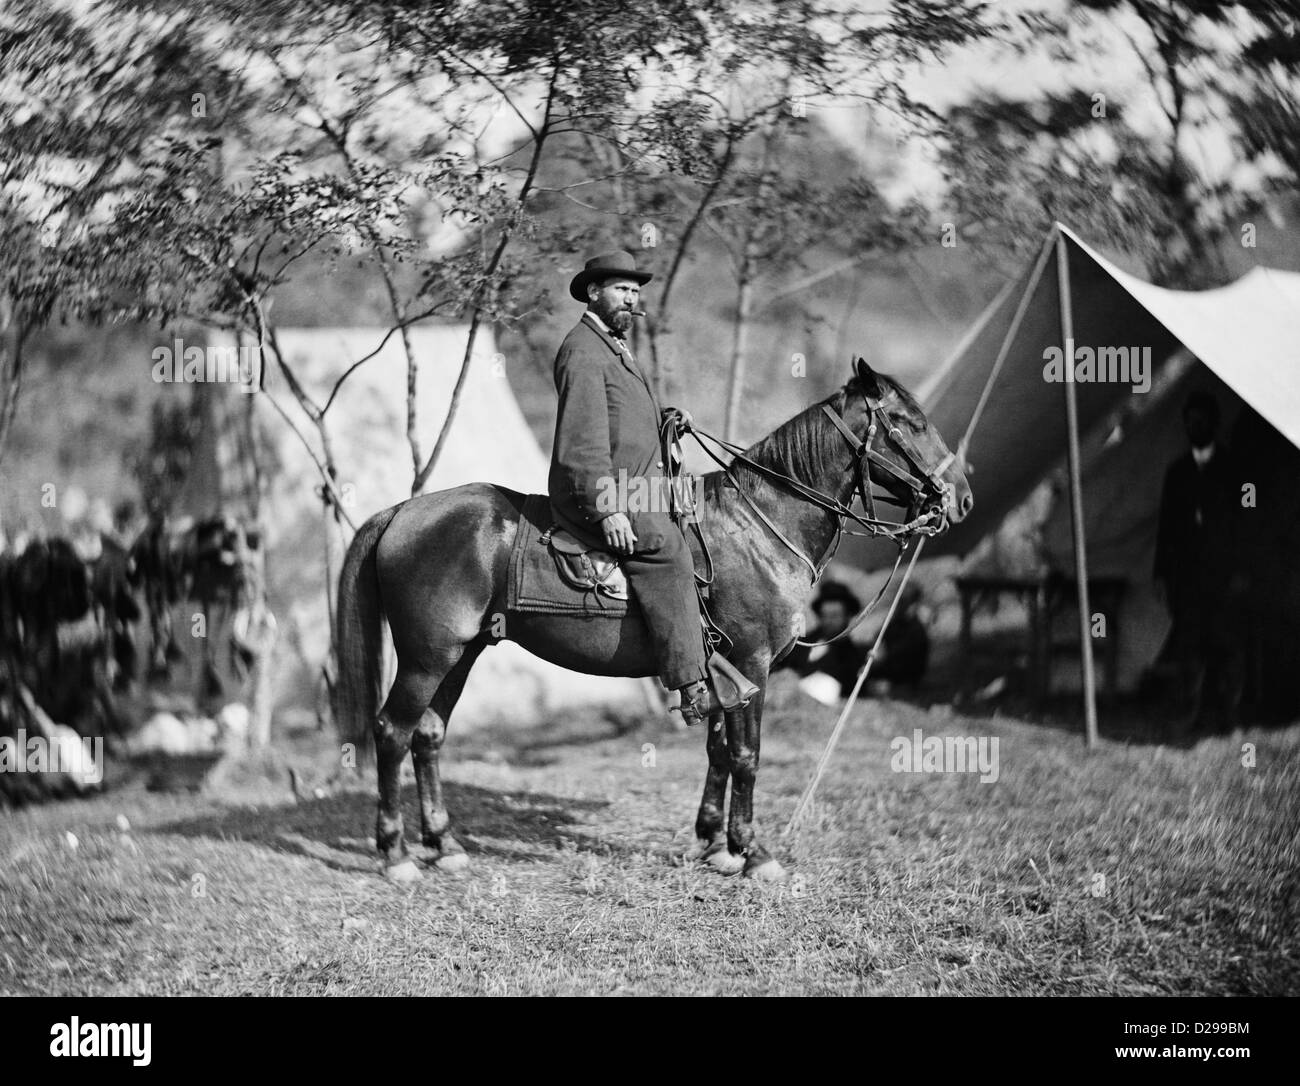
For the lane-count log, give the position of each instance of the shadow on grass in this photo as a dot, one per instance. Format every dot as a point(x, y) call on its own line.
point(337, 830)
point(543, 744)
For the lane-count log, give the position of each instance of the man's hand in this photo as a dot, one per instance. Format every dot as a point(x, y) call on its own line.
point(619, 536)
point(682, 419)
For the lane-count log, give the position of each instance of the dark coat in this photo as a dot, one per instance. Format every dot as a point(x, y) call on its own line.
point(607, 421)
point(842, 660)
point(1199, 540)
point(906, 653)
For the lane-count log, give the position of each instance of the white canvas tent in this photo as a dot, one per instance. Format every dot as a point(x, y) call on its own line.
point(489, 441)
point(1017, 425)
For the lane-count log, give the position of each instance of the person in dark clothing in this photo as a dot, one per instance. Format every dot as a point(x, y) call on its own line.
point(901, 659)
point(904, 651)
point(1199, 569)
point(607, 436)
point(835, 607)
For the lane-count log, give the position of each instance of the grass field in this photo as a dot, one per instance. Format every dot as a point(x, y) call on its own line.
point(1132, 869)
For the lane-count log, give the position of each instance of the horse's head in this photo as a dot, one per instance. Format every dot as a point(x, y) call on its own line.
point(902, 452)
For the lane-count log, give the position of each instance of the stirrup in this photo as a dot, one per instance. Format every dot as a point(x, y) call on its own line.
point(724, 690)
point(732, 689)
point(693, 712)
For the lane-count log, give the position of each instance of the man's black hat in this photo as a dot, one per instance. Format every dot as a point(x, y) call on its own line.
point(835, 592)
point(606, 266)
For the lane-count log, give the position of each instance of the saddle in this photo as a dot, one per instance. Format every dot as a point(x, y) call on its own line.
point(592, 570)
point(583, 567)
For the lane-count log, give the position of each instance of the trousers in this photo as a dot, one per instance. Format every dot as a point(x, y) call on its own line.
point(1208, 638)
point(661, 575)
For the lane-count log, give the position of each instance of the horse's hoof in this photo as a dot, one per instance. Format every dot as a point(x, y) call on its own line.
point(767, 871)
point(724, 861)
point(403, 872)
point(452, 863)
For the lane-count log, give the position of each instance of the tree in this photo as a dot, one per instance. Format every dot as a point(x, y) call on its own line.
point(706, 159)
point(1269, 103)
point(83, 105)
point(221, 149)
point(1080, 155)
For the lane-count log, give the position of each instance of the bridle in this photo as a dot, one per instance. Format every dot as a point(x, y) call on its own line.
point(923, 482)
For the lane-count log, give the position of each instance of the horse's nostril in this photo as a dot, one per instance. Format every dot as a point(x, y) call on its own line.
point(967, 501)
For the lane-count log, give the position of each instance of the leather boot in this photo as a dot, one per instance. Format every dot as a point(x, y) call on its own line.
point(726, 688)
point(698, 702)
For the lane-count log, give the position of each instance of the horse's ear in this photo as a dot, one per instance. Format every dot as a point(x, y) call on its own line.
point(867, 378)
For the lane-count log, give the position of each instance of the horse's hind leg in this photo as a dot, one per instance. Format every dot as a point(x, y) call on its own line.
point(396, 723)
point(435, 823)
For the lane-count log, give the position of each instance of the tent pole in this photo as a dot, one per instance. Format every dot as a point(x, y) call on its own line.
point(1076, 491)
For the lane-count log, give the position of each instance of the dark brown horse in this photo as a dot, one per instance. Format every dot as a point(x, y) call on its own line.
point(436, 567)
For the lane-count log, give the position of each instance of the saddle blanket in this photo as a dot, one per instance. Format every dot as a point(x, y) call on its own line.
point(535, 582)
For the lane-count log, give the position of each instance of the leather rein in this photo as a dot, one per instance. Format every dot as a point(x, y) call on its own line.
point(923, 482)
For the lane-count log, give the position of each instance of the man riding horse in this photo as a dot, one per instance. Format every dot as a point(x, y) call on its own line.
point(608, 431)
point(440, 570)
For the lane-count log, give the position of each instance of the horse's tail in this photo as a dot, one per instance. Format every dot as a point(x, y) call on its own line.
point(358, 638)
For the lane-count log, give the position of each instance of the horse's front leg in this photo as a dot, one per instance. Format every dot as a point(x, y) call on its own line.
point(711, 837)
point(743, 741)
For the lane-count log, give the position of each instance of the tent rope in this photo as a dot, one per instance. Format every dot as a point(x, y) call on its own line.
point(806, 799)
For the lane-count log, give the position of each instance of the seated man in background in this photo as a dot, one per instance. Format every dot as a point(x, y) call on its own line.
point(904, 651)
point(835, 606)
point(829, 671)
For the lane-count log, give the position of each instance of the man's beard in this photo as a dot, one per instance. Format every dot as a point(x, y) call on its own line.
point(617, 317)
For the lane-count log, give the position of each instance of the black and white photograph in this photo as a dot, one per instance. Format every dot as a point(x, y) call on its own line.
point(698, 498)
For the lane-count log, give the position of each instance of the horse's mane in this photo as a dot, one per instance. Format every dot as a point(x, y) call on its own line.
point(807, 446)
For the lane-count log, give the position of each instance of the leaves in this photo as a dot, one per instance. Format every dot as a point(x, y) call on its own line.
point(1013, 166)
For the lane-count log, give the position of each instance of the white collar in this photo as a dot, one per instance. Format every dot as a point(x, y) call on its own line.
point(1202, 456)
